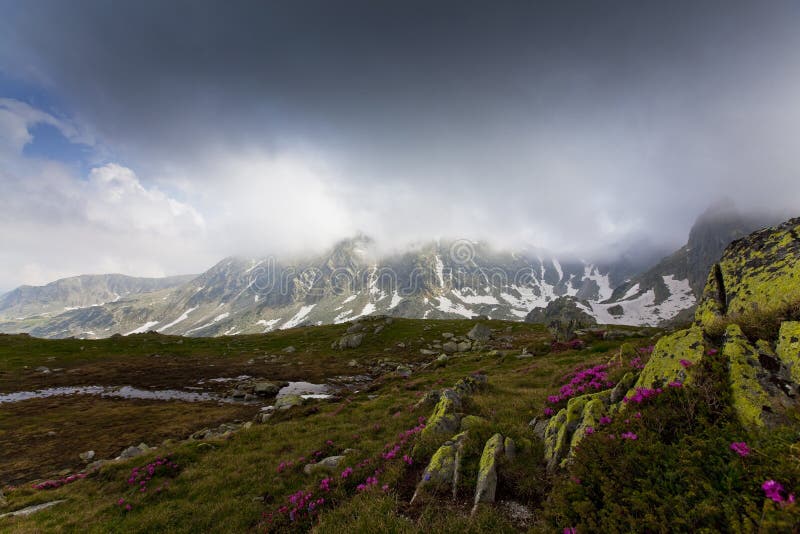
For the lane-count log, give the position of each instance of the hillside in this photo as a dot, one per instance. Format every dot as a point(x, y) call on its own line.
point(438, 425)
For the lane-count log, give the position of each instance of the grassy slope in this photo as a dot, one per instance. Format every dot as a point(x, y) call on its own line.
point(222, 488)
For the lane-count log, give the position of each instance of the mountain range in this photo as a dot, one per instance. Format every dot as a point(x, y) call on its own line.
point(442, 279)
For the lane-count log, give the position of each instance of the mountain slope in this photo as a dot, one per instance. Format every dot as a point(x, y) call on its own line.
point(79, 292)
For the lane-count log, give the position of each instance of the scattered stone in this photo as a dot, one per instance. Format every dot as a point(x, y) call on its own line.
point(352, 363)
point(326, 464)
point(450, 347)
point(31, 509)
point(289, 401)
point(427, 352)
point(350, 341)
point(510, 448)
point(356, 327)
point(401, 345)
point(42, 369)
point(378, 330)
point(87, 456)
point(289, 349)
point(480, 332)
point(447, 335)
point(262, 417)
point(464, 346)
point(468, 422)
point(404, 371)
point(266, 389)
point(133, 452)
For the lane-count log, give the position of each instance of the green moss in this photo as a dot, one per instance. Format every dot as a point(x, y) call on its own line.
point(665, 366)
point(486, 484)
point(444, 419)
point(758, 273)
point(788, 348)
point(749, 397)
point(592, 413)
point(471, 421)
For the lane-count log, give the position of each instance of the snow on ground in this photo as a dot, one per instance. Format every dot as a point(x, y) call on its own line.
point(631, 292)
point(298, 317)
point(144, 328)
point(216, 319)
point(396, 299)
point(269, 324)
point(349, 299)
point(448, 306)
point(591, 273)
point(178, 320)
point(439, 271)
point(643, 309)
point(342, 317)
point(474, 299)
point(369, 308)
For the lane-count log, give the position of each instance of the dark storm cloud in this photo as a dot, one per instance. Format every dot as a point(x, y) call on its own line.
point(570, 124)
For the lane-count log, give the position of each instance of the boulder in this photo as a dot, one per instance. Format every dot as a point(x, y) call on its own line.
point(486, 486)
point(464, 346)
point(749, 398)
point(450, 347)
point(441, 472)
point(480, 332)
point(351, 341)
point(445, 418)
point(266, 389)
point(665, 365)
point(328, 464)
point(87, 456)
point(788, 348)
point(288, 401)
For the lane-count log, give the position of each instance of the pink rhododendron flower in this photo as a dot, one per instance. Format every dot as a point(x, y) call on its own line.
point(686, 364)
point(740, 448)
point(629, 435)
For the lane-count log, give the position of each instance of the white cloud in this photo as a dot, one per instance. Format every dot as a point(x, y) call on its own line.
point(56, 223)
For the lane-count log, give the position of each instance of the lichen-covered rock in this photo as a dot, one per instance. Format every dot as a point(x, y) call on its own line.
point(749, 397)
point(665, 365)
point(760, 272)
point(788, 348)
point(442, 468)
point(560, 428)
point(470, 384)
point(445, 418)
point(350, 341)
point(486, 485)
point(288, 401)
point(622, 387)
point(592, 413)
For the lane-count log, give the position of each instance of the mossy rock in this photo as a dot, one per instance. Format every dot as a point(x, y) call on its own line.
point(665, 366)
point(441, 470)
point(592, 413)
point(758, 273)
point(788, 348)
point(486, 485)
point(445, 418)
point(749, 398)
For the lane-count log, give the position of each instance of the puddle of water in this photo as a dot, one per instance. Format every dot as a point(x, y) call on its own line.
point(307, 390)
point(230, 379)
point(123, 392)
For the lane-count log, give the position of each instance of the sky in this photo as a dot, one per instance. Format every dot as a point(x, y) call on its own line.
point(154, 138)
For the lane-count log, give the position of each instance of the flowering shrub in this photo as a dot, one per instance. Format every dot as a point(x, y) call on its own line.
point(774, 491)
point(141, 477)
point(740, 448)
point(582, 381)
point(52, 484)
point(642, 394)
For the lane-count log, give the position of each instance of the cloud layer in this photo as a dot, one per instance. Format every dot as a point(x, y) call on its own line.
point(277, 127)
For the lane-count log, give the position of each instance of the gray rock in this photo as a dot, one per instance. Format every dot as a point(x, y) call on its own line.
point(401, 345)
point(352, 363)
point(133, 452)
point(266, 389)
point(31, 509)
point(97, 464)
point(289, 349)
point(378, 329)
point(538, 426)
point(351, 341)
point(87, 456)
point(464, 346)
point(480, 332)
point(447, 335)
point(510, 448)
point(427, 352)
point(486, 486)
point(404, 371)
point(450, 347)
point(357, 327)
point(262, 417)
point(326, 464)
point(289, 401)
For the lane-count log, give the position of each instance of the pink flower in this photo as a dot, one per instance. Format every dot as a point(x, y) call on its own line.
point(570, 530)
point(773, 490)
point(589, 431)
point(347, 472)
point(629, 435)
point(740, 448)
point(686, 364)
point(675, 384)
point(548, 412)
point(605, 420)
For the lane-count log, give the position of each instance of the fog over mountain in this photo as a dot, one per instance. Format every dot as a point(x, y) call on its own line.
point(151, 139)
